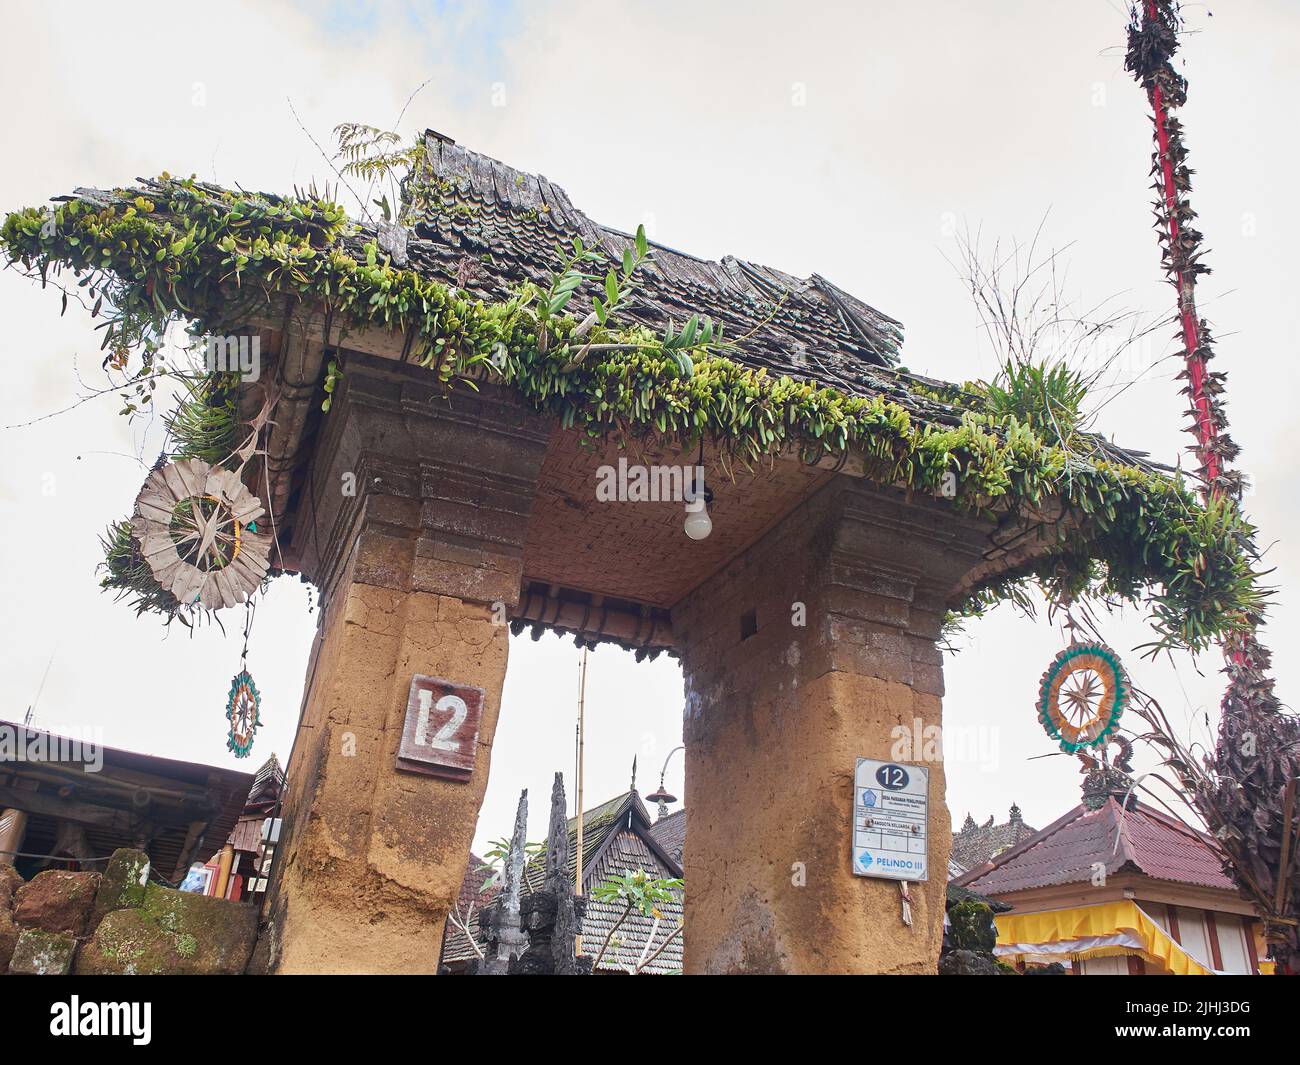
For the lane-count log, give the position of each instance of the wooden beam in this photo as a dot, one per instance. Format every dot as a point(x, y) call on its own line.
point(1212, 934)
point(1248, 929)
point(39, 802)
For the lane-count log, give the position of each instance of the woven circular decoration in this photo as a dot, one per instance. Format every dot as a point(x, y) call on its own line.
point(244, 711)
point(196, 526)
point(1082, 695)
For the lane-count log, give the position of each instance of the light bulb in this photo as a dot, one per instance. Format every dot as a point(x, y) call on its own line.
point(698, 523)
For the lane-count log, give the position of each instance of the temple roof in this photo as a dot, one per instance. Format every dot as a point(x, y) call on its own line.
point(482, 226)
point(670, 833)
point(975, 844)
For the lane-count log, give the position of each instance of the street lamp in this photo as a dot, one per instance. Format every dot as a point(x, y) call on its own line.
point(662, 798)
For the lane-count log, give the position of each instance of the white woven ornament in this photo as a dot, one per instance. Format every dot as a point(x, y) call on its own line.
point(192, 522)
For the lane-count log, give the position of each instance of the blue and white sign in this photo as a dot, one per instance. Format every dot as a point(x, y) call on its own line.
point(891, 819)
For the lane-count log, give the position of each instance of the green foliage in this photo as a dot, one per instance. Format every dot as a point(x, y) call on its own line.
point(639, 891)
point(374, 155)
point(128, 576)
point(496, 858)
point(1047, 398)
point(181, 248)
point(205, 424)
point(971, 927)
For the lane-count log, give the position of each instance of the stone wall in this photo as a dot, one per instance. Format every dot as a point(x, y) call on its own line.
point(800, 656)
point(419, 563)
point(118, 922)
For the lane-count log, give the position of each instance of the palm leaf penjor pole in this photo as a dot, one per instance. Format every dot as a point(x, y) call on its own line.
point(1249, 798)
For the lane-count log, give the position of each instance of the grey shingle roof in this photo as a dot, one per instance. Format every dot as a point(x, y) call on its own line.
point(490, 226)
point(670, 833)
point(975, 844)
point(486, 226)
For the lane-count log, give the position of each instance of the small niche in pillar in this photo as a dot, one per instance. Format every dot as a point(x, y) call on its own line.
point(748, 624)
point(440, 734)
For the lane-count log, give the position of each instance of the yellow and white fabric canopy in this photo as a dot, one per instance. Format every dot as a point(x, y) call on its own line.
point(1099, 931)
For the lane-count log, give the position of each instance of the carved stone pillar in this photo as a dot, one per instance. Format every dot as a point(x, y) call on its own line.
point(803, 654)
point(413, 527)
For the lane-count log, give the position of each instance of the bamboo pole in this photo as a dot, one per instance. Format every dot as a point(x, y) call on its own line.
point(582, 698)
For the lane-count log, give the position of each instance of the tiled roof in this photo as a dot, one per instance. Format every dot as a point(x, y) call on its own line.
point(268, 782)
point(455, 944)
point(1141, 840)
point(490, 226)
point(670, 833)
point(486, 226)
point(626, 853)
point(597, 823)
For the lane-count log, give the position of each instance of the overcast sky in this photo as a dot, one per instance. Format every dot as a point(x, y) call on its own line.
point(854, 140)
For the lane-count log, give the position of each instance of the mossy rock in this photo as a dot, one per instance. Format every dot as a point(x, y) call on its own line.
point(968, 963)
point(172, 932)
point(123, 884)
point(56, 901)
point(41, 953)
point(128, 943)
point(8, 939)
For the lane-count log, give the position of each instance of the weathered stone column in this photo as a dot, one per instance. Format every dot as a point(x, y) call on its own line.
point(418, 509)
point(802, 655)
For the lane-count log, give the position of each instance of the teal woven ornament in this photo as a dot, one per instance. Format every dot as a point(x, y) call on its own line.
point(244, 712)
point(1082, 696)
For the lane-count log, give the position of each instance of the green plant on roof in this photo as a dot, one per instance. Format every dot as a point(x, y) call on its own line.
point(972, 926)
point(376, 155)
point(1046, 397)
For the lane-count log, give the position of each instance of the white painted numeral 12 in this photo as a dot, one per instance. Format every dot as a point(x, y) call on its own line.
point(442, 739)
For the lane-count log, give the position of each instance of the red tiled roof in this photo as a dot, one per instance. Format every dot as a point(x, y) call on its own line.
point(472, 891)
point(1141, 840)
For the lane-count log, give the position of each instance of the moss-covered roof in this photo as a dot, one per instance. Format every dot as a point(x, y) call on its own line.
point(174, 248)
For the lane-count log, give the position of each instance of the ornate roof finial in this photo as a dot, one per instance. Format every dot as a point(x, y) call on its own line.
point(633, 788)
point(1106, 780)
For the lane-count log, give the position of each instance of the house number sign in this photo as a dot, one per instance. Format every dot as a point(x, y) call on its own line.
point(440, 734)
point(891, 820)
